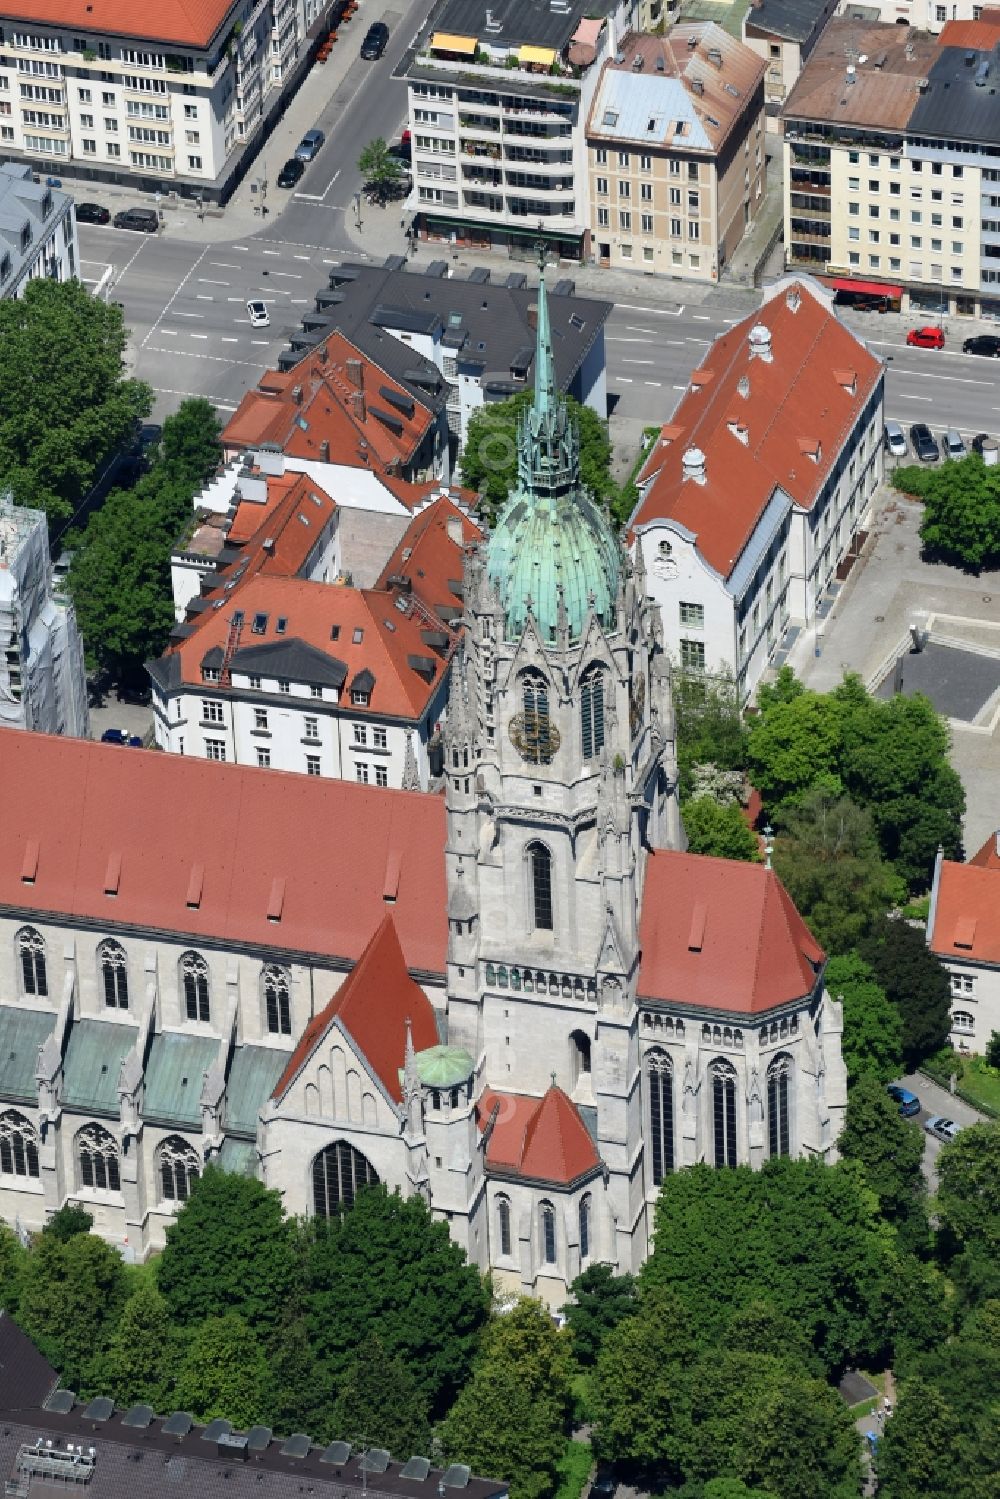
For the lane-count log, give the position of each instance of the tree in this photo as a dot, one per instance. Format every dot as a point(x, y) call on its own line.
point(511, 1419)
point(641, 1392)
point(915, 981)
point(65, 406)
point(601, 1299)
point(12, 1262)
point(489, 458)
point(140, 1362)
point(71, 1295)
point(992, 1053)
point(230, 1250)
point(968, 1195)
point(379, 1404)
point(68, 1220)
point(829, 861)
point(891, 1151)
point(296, 1398)
point(872, 1043)
point(961, 521)
point(920, 1311)
point(224, 1372)
point(709, 728)
point(720, 830)
point(378, 166)
point(792, 747)
point(917, 1456)
point(190, 449)
point(388, 1268)
point(758, 1327)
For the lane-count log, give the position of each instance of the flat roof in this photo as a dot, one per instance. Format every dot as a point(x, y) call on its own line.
point(880, 92)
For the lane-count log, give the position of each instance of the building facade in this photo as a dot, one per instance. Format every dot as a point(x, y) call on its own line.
point(963, 931)
point(37, 231)
point(783, 35)
point(519, 1000)
point(675, 152)
point(759, 489)
point(43, 683)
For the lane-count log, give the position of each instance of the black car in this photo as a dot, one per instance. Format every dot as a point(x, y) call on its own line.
point(92, 213)
point(291, 172)
point(862, 301)
point(145, 220)
point(924, 443)
point(375, 41)
point(986, 344)
point(978, 440)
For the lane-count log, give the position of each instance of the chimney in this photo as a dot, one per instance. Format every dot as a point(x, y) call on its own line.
point(297, 394)
point(268, 545)
point(698, 86)
point(358, 404)
point(743, 386)
point(693, 464)
point(321, 353)
point(533, 316)
point(356, 373)
point(793, 299)
point(455, 529)
point(324, 452)
point(760, 343)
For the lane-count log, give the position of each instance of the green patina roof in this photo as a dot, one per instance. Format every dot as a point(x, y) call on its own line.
point(252, 1076)
point(22, 1032)
point(444, 1066)
point(238, 1156)
point(93, 1063)
point(552, 548)
point(174, 1075)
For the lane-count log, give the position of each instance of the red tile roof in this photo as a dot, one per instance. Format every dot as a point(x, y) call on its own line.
point(429, 556)
point(188, 23)
point(373, 1005)
point(389, 638)
point(541, 1138)
point(336, 391)
point(75, 805)
point(975, 36)
point(722, 935)
point(789, 408)
point(988, 857)
point(967, 912)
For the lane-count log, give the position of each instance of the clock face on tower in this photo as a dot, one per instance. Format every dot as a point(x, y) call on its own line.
point(534, 736)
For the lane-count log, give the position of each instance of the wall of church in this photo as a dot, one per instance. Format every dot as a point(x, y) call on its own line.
point(541, 1237)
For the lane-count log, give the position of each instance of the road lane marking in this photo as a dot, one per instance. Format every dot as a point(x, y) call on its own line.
point(300, 257)
point(700, 317)
point(638, 361)
point(199, 335)
point(169, 332)
point(207, 281)
point(613, 338)
point(241, 247)
point(657, 383)
point(271, 252)
point(177, 291)
point(250, 364)
point(161, 390)
point(180, 314)
point(226, 340)
point(261, 341)
point(678, 387)
point(622, 379)
point(289, 275)
point(332, 181)
point(659, 311)
point(225, 265)
point(202, 296)
point(309, 197)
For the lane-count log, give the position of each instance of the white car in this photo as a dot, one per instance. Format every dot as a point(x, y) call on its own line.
point(257, 312)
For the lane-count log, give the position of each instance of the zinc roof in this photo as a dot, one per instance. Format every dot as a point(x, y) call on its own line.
point(175, 1071)
point(93, 1062)
point(22, 1032)
point(252, 1075)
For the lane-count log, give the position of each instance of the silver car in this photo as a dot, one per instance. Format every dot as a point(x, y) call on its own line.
point(954, 447)
point(895, 440)
point(941, 1129)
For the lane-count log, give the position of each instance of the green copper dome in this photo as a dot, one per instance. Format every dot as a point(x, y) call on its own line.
point(444, 1066)
point(552, 548)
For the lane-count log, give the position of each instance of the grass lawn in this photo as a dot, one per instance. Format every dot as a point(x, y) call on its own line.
point(981, 1083)
point(574, 1470)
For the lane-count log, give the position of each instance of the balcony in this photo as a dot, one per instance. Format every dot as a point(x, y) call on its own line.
point(820, 235)
point(815, 207)
point(474, 151)
point(479, 124)
point(483, 176)
point(810, 182)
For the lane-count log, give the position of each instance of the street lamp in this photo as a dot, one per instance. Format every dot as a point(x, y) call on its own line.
point(357, 209)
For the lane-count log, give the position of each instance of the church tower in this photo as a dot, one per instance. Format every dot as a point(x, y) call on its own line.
point(560, 770)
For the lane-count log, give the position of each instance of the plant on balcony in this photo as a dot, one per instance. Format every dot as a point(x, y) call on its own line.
point(89, 55)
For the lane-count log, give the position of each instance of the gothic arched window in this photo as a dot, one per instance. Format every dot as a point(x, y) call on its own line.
point(179, 1167)
point(114, 973)
point(660, 1079)
point(592, 712)
point(276, 982)
point(31, 951)
point(540, 869)
point(585, 1227)
point(778, 1131)
point(503, 1225)
point(339, 1174)
point(724, 1113)
point(194, 976)
point(532, 731)
point(547, 1224)
point(18, 1145)
point(97, 1159)
point(580, 1044)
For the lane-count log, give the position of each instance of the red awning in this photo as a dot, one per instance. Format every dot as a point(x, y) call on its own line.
point(877, 288)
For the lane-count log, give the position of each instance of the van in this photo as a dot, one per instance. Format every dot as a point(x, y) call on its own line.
point(145, 220)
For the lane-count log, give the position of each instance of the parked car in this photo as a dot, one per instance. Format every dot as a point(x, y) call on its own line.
point(925, 338)
point(121, 736)
point(308, 146)
point(604, 1486)
point(134, 694)
point(862, 301)
point(954, 447)
point(257, 312)
point(291, 172)
point(941, 1129)
point(376, 39)
point(909, 1103)
point(986, 344)
point(145, 220)
point(895, 440)
point(924, 443)
point(978, 440)
point(91, 213)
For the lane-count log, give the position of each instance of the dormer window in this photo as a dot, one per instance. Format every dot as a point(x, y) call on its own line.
point(360, 699)
point(259, 624)
point(210, 674)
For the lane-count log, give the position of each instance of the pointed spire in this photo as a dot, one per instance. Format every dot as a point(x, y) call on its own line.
point(545, 369)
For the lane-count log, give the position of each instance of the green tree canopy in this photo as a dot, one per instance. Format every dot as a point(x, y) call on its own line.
point(377, 165)
point(387, 1268)
point(140, 1362)
point(230, 1250)
point(757, 1327)
point(71, 1295)
point(968, 1195)
point(489, 458)
point(190, 447)
point(828, 858)
point(709, 727)
point(65, 405)
point(872, 1043)
point(918, 1456)
point(712, 828)
point(379, 1404)
point(12, 1262)
point(223, 1373)
point(891, 1151)
point(961, 521)
point(641, 1391)
point(296, 1397)
point(68, 1220)
point(915, 981)
point(601, 1299)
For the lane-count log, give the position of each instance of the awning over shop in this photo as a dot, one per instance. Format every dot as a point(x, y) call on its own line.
point(877, 288)
point(444, 41)
point(543, 55)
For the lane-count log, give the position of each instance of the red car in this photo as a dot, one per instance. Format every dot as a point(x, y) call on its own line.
point(925, 338)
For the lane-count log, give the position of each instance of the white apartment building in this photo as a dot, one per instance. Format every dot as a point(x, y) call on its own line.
point(499, 98)
point(759, 486)
point(963, 930)
point(37, 231)
point(43, 684)
point(169, 95)
point(923, 15)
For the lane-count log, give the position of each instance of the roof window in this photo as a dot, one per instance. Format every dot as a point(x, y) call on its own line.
point(610, 117)
point(281, 625)
point(259, 624)
point(334, 632)
point(359, 634)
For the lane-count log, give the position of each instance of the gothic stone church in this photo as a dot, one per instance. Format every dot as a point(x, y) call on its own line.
point(520, 999)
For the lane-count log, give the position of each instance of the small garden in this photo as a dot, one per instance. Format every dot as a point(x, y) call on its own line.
point(977, 1078)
